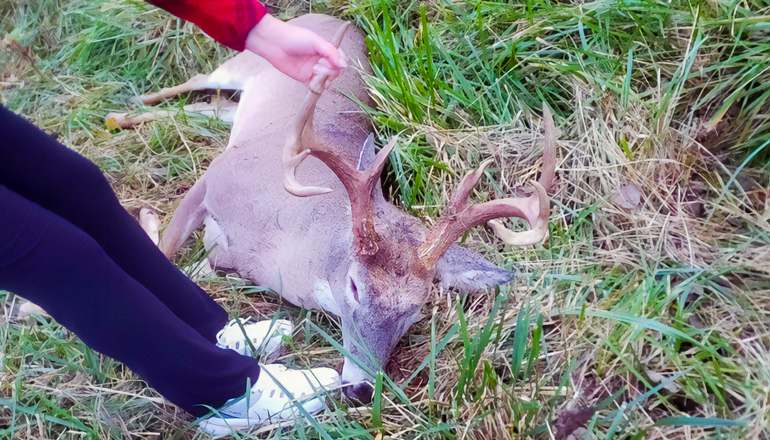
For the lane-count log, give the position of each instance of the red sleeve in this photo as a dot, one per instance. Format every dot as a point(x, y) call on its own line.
point(227, 21)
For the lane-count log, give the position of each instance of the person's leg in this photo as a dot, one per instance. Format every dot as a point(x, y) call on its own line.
point(41, 170)
point(51, 262)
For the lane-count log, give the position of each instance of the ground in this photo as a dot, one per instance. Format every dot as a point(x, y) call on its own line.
point(644, 314)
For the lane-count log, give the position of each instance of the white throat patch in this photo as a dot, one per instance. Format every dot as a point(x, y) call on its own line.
point(322, 291)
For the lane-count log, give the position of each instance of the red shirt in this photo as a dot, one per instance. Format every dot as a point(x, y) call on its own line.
point(227, 21)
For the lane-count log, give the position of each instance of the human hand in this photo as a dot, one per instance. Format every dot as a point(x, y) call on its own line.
point(298, 52)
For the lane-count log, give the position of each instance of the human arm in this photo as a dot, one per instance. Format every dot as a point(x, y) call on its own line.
point(295, 51)
point(245, 25)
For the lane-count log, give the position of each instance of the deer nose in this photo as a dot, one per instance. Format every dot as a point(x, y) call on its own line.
point(361, 391)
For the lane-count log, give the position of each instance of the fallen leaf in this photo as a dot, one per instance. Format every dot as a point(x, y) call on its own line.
point(627, 196)
point(112, 124)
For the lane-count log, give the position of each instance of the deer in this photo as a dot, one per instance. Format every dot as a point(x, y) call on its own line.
point(294, 204)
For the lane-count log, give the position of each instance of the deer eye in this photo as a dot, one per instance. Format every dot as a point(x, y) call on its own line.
point(354, 289)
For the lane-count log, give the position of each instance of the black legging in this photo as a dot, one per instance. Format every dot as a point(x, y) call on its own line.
point(68, 245)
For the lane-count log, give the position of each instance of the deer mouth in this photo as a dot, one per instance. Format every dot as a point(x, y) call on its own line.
point(361, 392)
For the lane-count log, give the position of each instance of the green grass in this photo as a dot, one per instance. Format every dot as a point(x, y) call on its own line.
point(454, 64)
point(654, 320)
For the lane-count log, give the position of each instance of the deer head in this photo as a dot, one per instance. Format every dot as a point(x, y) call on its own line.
point(394, 258)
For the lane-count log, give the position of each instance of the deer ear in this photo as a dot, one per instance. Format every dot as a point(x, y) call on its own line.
point(463, 269)
point(367, 154)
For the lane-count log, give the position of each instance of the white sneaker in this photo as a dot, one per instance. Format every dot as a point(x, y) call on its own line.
point(279, 395)
point(265, 336)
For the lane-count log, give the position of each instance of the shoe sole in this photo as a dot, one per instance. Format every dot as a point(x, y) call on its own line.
point(222, 426)
point(217, 427)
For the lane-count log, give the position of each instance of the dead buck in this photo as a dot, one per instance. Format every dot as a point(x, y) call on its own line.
point(338, 245)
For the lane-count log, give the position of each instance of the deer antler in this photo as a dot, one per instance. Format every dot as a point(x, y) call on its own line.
point(458, 216)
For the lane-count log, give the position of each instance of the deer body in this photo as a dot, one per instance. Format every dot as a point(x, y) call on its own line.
point(253, 225)
point(305, 248)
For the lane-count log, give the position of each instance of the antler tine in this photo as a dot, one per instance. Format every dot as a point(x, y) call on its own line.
point(459, 216)
point(549, 150)
point(293, 155)
point(375, 169)
point(460, 197)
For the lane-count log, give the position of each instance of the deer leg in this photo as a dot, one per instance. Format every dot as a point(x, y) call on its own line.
point(189, 215)
point(221, 108)
point(128, 120)
point(150, 222)
point(197, 82)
